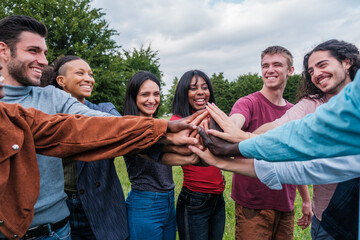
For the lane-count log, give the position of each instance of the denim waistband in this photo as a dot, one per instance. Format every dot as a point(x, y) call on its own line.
point(154, 194)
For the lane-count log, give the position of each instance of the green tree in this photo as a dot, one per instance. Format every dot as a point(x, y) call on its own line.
point(170, 96)
point(291, 88)
point(74, 27)
point(247, 84)
point(221, 88)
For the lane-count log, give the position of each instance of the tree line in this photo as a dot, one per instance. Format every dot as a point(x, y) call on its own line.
point(75, 28)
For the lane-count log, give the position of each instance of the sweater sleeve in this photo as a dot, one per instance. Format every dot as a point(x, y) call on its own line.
point(91, 138)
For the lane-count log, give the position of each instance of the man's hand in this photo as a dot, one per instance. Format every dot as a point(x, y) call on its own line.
point(230, 132)
point(218, 146)
point(305, 220)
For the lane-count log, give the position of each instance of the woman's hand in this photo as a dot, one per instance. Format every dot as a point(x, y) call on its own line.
point(179, 131)
point(231, 132)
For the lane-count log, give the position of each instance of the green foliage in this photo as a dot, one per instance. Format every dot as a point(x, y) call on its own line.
point(74, 28)
point(291, 88)
point(247, 84)
point(170, 96)
point(222, 94)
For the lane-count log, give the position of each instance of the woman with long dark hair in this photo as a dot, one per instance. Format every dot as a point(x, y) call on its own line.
point(150, 203)
point(200, 209)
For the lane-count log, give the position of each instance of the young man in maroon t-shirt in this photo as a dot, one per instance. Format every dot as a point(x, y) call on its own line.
point(262, 213)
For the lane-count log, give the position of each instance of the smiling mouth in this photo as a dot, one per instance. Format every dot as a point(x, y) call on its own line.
point(323, 80)
point(199, 101)
point(87, 87)
point(150, 106)
point(37, 71)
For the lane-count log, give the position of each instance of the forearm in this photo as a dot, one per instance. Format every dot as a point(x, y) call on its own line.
point(93, 138)
point(264, 128)
point(242, 166)
point(304, 194)
point(318, 171)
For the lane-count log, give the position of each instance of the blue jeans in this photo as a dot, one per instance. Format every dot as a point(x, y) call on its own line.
point(80, 226)
point(60, 234)
point(151, 215)
point(200, 216)
point(318, 232)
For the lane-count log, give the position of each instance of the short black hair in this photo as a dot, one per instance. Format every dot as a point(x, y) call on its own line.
point(132, 89)
point(12, 26)
point(181, 105)
point(57, 69)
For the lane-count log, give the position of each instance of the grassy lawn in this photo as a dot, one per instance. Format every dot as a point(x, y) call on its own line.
point(230, 218)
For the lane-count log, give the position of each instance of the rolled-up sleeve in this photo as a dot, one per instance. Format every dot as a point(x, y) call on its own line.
point(319, 171)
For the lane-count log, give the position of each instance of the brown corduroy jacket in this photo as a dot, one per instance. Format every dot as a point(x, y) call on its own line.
point(25, 132)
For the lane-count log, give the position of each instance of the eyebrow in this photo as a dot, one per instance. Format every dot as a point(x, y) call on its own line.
point(317, 64)
point(322, 61)
point(37, 48)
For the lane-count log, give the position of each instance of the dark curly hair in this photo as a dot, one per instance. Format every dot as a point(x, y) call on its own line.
point(340, 50)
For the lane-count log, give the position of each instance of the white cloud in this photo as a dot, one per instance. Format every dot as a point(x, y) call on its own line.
point(228, 36)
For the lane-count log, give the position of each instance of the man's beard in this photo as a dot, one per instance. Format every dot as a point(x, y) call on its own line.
point(17, 70)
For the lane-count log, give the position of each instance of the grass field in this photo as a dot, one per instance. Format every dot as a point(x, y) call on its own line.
point(230, 222)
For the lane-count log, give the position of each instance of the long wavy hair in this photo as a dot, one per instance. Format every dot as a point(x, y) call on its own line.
point(340, 50)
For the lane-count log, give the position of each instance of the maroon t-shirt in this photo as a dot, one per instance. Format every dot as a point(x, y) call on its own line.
point(250, 192)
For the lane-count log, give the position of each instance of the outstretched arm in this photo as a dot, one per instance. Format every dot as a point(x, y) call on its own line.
point(90, 138)
point(241, 166)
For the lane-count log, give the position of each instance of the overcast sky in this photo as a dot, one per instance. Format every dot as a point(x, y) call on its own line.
point(228, 36)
